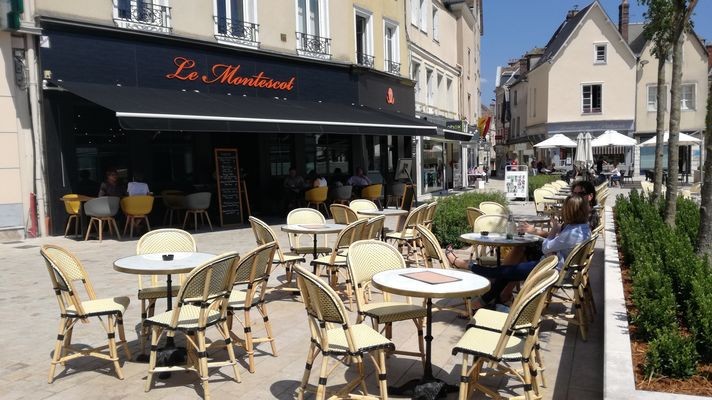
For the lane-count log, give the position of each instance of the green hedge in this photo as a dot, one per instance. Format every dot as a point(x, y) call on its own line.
point(451, 216)
point(671, 285)
point(537, 181)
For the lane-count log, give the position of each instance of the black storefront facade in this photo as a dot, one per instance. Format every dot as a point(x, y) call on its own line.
point(161, 105)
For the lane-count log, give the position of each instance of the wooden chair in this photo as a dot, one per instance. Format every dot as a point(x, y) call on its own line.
point(249, 291)
point(66, 271)
point(73, 207)
point(102, 210)
point(136, 208)
point(201, 304)
point(306, 216)
point(373, 193)
point(333, 335)
point(317, 196)
point(263, 235)
point(343, 214)
point(492, 208)
point(197, 204)
point(150, 290)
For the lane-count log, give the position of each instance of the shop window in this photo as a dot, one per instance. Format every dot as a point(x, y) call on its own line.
point(235, 22)
point(312, 28)
point(364, 38)
point(147, 15)
point(326, 153)
point(280, 153)
point(391, 49)
point(433, 161)
point(591, 99)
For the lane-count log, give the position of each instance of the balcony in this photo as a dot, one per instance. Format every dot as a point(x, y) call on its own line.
point(365, 60)
point(313, 46)
point(142, 16)
point(236, 32)
point(393, 67)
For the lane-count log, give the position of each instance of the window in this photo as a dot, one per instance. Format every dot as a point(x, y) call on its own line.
point(687, 96)
point(147, 15)
point(430, 95)
point(514, 101)
point(423, 23)
point(415, 75)
point(391, 50)
point(312, 28)
point(534, 104)
point(448, 93)
point(435, 23)
point(415, 12)
point(364, 42)
point(234, 22)
point(653, 97)
point(439, 89)
point(469, 63)
point(591, 99)
point(599, 54)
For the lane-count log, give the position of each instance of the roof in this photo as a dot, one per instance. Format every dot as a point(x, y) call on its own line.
point(636, 37)
point(562, 34)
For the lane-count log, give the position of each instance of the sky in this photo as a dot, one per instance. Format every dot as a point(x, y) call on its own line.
point(512, 27)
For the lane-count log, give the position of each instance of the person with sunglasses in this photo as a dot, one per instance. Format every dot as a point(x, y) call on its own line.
point(588, 191)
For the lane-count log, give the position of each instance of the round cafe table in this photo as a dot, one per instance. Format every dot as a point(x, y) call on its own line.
point(315, 230)
point(429, 283)
point(531, 218)
point(388, 212)
point(498, 240)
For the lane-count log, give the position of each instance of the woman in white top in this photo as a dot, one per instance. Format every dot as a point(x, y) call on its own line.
point(615, 175)
point(137, 187)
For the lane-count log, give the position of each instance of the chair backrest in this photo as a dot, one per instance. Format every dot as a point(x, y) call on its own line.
point(472, 214)
point(539, 200)
point(302, 216)
point(264, 234)
point(407, 197)
point(491, 223)
point(317, 194)
point(342, 214)
point(71, 203)
point(106, 206)
point(362, 204)
point(372, 192)
point(137, 205)
point(373, 228)
point(492, 208)
point(415, 217)
point(322, 303)
point(198, 201)
point(429, 214)
point(342, 192)
point(166, 240)
point(365, 259)
point(64, 271)
point(561, 184)
point(174, 199)
point(397, 189)
point(578, 258)
point(254, 268)
point(350, 234)
point(431, 248)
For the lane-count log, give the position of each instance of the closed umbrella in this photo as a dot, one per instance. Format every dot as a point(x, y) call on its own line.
point(613, 138)
point(685, 140)
point(584, 151)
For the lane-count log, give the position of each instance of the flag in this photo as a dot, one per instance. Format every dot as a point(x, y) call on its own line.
point(483, 124)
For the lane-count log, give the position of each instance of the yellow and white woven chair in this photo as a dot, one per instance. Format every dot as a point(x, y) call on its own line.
point(249, 291)
point(365, 259)
point(334, 336)
point(65, 270)
point(408, 237)
point(342, 214)
point(362, 204)
point(201, 303)
point(159, 241)
point(501, 349)
point(429, 214)
point(485, 255)
point(492, 208)
point(373, 228)
point(306, 216)
point(472, 214)
point(263, 235)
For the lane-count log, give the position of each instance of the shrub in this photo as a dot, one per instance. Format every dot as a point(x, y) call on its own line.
point(699, 314)
point(451, 215)
point(671, 354)
point(537, 181)
point(687, 219)
point(653, 296)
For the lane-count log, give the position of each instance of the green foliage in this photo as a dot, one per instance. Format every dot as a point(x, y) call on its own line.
point(699, 313)
point(687, 220)
point(537, 181)
point(671, 354)
point(653, 296)
point(451, 216)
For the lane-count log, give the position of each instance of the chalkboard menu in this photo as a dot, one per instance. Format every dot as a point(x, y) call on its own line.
point(229, 196)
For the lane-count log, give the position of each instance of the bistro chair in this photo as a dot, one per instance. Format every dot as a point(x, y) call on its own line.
point(362, 204)
point(174, 202)
point(365, 259)
point(396, 194)
point(509, 345)
point(343, 214)
point(429, 214)
point(492, 224)
point(102, 210)
point(492, 208)
point(373, 193)
point(73, 207)
point(249, 292)
point(197, 204)
point(66, 272)
point(333, 335)
point(201, 304)
point(374, 228)
point(408, 236)
point(341, 194)
point(541, 205)
point(472, 214)
point(306, 216)
point(150, 289)
point(317, 197)
point(263, 235)
point(136, 209)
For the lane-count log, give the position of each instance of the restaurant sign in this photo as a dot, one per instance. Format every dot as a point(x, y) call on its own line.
point(226, 74)
point(456, 125)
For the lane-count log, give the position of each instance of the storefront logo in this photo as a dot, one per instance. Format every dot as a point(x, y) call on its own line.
point(227, 74)
point(390, 99)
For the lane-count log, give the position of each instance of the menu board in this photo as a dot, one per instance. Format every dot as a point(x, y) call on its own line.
point(516, 181)
point(229, 196)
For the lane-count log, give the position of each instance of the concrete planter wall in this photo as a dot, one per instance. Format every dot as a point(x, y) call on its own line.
point(618, 377)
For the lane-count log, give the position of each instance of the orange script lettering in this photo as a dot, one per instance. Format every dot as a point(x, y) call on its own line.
point(228, 75)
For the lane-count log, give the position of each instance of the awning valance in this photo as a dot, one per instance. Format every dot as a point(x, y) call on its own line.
point(457, 135)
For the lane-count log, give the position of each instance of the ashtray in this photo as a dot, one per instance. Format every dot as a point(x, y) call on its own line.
point(167, 257)
point(520, 233)
point(484, 233)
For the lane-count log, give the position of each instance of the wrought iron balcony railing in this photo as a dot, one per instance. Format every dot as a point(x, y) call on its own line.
point(237, 31)
point(313, 45)
point(365, 60)
point(393, 67)
point(142, 15)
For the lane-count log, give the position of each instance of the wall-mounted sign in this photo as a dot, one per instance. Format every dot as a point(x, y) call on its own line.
point(390, 98)
point(456, 125)
point(226, 74)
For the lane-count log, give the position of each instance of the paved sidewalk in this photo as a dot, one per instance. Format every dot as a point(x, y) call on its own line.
point(30, 316)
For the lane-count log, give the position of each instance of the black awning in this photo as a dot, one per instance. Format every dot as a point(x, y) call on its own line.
point(170, 110)
point(457, 135)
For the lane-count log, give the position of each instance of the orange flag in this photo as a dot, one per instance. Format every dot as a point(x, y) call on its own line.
point(483, 124)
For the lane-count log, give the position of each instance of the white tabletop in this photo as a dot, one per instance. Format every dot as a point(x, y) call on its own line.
point(499, 239)
point(153, 264)
point(556, 197)
point(386, 211)
point(469, 284)
point(530, 218)
point(313, 228)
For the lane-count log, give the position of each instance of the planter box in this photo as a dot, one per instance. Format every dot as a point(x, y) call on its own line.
point(618, 376)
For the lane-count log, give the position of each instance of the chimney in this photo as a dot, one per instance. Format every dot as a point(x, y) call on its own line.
point(572, 13)
point(709, 55)
point(623, 19)
point(523, 66)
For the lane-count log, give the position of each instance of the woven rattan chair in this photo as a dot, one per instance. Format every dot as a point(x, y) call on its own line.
point(249, 292)
point(541, 205)
point(343, 214)
point(374, 228)
point(263, 235)
point(333, 335)
point(485, 255)
point(66, 271)
point(201, 303)
point(429, 214)
point(503, 348)
point(317, 196)
point(472, 214)
point(373, 193)
point(73, 207)
point(197, 204)
point(102, 210)
point(150, 289)
point(408, 236)
point(492, 208)
point(306, 216)
point(365, 259)
point(335, 262)
point(136, 208)
point(362, 204)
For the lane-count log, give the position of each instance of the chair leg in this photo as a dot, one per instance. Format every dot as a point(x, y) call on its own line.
point(225, 333)
point(112, 345)
point(148, 224)
point(249, 344)
point(101, 229)
point(311, 355)
point(268, 327)
point(91, 223)
point(208, 218)
point(323, 375)
point(116, 228)
point(58, 348)
point(155, 335)
point(69, 224)
point(195, 221)
point(126, 225)
point(464, 378)
point(203, 363)
point(122, 336)
point(185, 220)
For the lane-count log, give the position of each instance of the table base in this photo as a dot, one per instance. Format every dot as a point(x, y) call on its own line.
point(425, 389)
point(166, 356)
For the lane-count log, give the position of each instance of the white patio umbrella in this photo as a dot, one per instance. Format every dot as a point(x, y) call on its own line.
point(556, 142)
point(685, 140)
point(584, 151)
point(613, 138)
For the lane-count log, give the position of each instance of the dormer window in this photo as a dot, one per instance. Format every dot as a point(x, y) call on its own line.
point(599, 54)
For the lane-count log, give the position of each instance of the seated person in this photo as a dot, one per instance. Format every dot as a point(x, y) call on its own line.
point(359, 178)
point(615, 176)
point(560, 239)
point(293, 185)
point(112, 186)
point(137, 187)
point(338, 178)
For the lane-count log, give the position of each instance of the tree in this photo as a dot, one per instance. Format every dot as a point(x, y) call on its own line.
point(704, 236)
point(682, 10)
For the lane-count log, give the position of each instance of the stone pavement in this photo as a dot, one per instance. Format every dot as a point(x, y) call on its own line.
point(30, 317)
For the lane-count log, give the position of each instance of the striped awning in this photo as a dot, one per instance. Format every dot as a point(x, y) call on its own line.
point(609, 150)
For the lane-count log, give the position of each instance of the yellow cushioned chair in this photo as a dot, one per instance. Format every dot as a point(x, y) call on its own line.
point(74, 208)
point(373, 193)
point(136, 208)
point(317, 196)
